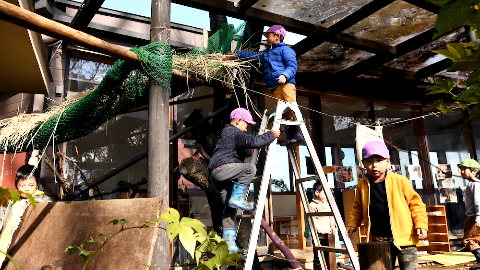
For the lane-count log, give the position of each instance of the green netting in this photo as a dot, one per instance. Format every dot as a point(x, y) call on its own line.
point(221, 41)
point(123, 88)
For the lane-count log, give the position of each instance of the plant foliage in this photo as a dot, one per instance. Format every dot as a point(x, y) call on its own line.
point(464, 56)
point(209, 249)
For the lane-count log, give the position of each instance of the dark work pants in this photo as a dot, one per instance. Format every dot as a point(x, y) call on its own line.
point(316, 259)
point(223, 179)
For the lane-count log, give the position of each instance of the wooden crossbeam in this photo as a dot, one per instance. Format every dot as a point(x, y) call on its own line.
point(433, 68)
point(85, 14)
point(267, 18)
point(245, 4)
point(378, 60)
point(359, 15)
point(425, 5)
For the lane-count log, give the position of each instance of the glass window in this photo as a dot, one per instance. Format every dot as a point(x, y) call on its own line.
point(85, 74)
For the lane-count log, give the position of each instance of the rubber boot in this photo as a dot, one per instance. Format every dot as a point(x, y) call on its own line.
point(229, 235)
point(476, 252)
point(237, 199)
point(294, 135)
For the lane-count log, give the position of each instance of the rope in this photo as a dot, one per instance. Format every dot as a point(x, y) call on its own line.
point(326, 114)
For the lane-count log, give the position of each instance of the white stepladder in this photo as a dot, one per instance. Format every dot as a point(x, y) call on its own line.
point(265, 182)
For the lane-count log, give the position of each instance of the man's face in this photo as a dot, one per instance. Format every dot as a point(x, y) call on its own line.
point(28, 185)
point(376, 165)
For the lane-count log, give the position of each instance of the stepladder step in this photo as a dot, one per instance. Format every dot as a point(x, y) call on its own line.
point(319, 214)
point(289, 122)
point(306, 179)
point(331, 249)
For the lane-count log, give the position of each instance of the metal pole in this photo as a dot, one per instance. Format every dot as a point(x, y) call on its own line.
point(158, 131)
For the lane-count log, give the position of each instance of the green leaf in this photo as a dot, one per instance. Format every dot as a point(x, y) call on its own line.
point(441, 1)
point(101, 234)
point(198, 256)
point(31, 200)
point(470, 95)
point(457, 49)
point(85, 254)
point(173, 229)
point(71, 249)
point(465, 66)
point(114, 222)
point(15, 196)
point(202, 267)
point(171, 216)
point(187, 239)
point(453, 15)
point(234, 257)
point(447, 54)
point(474, 113)
point(195, 224)
point(463, 105)
point(174, 213)
point(442, 86)
point(91, 241)
point(221, 252)
point(123, 221)
point(211, 263)
point(472, 78)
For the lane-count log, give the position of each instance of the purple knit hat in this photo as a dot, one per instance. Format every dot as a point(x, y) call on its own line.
point(241, 113)
point(372, 148)
point(277, 29)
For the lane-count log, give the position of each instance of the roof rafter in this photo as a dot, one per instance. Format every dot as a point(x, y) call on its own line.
point(85, 14)
point(245, 4)
point(294, 25)
point(378, 60)
point(425, 5)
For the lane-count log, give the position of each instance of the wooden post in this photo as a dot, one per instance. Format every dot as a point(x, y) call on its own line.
point(158, 140)
point(428, 197)
point(375, 256)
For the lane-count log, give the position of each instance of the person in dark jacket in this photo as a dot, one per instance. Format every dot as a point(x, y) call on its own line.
point(279, 68)
point(230, 174)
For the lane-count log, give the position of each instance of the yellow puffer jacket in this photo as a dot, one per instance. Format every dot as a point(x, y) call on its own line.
point(407, 210)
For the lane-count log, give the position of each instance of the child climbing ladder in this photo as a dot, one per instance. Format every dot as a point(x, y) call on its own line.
point(280, 67)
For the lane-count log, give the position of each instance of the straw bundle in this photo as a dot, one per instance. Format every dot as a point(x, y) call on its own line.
point(16, 131)
point(208, 67)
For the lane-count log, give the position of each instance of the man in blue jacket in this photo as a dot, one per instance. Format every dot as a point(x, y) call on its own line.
point(279, 65)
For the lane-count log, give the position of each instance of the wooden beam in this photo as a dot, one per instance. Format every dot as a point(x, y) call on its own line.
point(307, 44)
point(433, 68)
point(245, 4)
point(291, 24)
point(359, 15)
point(379, 60)
point(425, 5)
point(35, 22)
point(32, 21)
point(85, 14)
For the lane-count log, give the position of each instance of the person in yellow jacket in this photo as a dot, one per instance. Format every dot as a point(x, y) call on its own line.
point(390, 208)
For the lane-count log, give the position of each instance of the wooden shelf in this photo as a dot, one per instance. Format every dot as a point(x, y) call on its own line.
point(437, 231)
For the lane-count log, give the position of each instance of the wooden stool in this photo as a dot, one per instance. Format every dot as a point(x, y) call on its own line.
point(375, 256)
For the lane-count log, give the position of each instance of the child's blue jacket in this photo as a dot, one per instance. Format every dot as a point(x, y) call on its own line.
point(277, 60)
